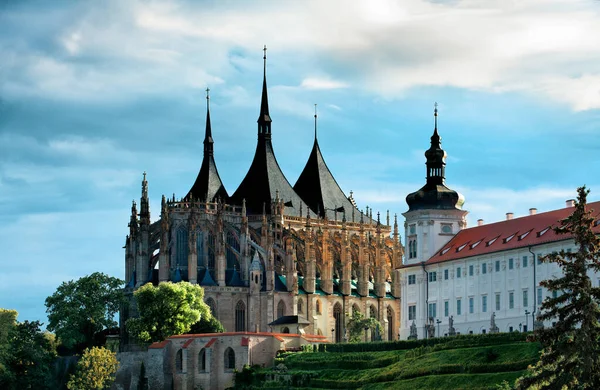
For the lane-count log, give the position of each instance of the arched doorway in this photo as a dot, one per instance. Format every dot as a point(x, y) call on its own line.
point(337, 315)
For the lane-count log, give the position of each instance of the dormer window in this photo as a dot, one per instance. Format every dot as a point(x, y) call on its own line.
point(444, 251)
point(490, 242)
point(475, 244)
point(522, 236)
point(507, 239)
point(541, 233)
point(460, 248)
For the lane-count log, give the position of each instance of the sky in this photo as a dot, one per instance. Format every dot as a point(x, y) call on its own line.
point(92, 94)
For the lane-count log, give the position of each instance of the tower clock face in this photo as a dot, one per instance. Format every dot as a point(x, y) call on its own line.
point(446, 229)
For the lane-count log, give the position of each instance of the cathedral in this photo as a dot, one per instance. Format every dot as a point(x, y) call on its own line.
point(271, 256)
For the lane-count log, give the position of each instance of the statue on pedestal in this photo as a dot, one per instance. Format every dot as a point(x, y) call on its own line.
point(413, 331)
point(451, 330)
point(493, 327)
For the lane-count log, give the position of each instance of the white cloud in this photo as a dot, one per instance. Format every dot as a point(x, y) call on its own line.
point(537, 47)
point(318, 83)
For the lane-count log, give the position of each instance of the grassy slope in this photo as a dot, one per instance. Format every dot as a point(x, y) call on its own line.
point(427, 368)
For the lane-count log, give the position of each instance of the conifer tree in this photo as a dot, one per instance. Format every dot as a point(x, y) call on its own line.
point(571, 348)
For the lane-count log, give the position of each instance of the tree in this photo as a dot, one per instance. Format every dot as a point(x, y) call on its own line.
point(27, 361)
point(571, 351)
point(358, 323)
point(95, 370)
point(207, 324)
point(166, 310)
point(80, 309)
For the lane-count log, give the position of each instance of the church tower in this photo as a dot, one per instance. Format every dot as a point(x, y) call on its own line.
point(435, 211)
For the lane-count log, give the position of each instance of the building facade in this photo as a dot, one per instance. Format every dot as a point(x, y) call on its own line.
point(459, 280)
point(271, 249)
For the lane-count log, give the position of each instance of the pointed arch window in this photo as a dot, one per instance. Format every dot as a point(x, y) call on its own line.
point(300, 306)
point(229, 359)
point(318, 306)
point(280, 309)
point(337, 315)
point(200, 249)
point(233, 250)
point(179, 361)
point(373, 314)
point(390, 320)
point(212, 305)
point(202, 360)
point(181, 243)
point(240, 317)
point(210, 254)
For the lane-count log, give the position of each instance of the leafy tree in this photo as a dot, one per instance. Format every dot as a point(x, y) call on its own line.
point(358, 323)
point(166, 310)
point(95, 370)
point(8, 322)
point(80, 309)
point(571, 351)
point(207, 324)
point(28, 361)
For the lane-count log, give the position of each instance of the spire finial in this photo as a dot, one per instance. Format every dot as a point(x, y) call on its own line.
point(315, 121)
point(264, 119)
point(144, 175)
point(435, 114)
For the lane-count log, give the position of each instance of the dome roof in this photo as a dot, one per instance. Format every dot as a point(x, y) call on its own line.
point(435, 196)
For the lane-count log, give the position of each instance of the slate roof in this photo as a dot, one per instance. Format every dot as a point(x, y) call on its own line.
point(509, 234)
point(319, 189)
point(208, 184)
point(265, 180)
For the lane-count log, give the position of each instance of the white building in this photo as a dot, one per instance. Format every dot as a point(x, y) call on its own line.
point(470, 274)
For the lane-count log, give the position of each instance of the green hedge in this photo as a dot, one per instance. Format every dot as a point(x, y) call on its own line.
point(451, 343)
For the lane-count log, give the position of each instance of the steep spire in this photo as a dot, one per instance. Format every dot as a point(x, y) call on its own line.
point(436, 165)
point(265, 178)
point(208, 140)
point(208, 185)
point(264, 119)
point(315, 122)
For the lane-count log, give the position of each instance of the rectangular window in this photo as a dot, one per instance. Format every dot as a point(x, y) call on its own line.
point(445, 274)
point(432, 310)
point(511, 300)
point(458, 307)
point(432, 277)
point(471, 305)
point(412, 279)
point(525, 259)
point(497, 265)
point(539, 256)
point(554, 294)
point(568, 250)
point(511, 263)
point(484, 303)
point(525, 298)
point(539, 295)
point(446, 308)
point(458, 273)
point(497, 302)
point(470, 270)
point(412, 312)
point(484, 268)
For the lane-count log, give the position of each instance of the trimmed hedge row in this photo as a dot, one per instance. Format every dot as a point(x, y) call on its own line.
point(452, 342)
point(445, 369)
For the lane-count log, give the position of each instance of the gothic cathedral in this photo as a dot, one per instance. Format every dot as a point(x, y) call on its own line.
point(271, 257)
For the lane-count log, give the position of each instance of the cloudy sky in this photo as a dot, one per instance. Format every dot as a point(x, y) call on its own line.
point(94, 93)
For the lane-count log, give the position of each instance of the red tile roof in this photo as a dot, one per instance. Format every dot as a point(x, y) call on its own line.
point(187, 343)
point(510, 234)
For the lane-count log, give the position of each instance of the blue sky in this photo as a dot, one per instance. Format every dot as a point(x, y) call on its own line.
point(94, 93)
